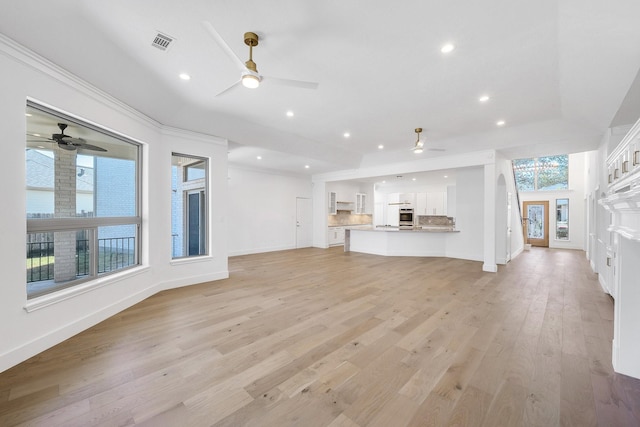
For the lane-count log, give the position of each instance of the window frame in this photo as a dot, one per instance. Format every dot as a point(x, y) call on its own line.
point(567, 222)
point(536, 173)
point(192, 187)
point(90, 224)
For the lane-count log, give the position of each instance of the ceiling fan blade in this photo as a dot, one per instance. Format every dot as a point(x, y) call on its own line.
point(236, 84)
point(31, 135)
point(90, 147)
point(292, 83)
point(223, 45)
point(82, 144)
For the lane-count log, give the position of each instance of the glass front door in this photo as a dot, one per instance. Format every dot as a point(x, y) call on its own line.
point(536, 223)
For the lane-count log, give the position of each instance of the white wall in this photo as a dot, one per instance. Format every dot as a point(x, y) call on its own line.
point(262, 208)
point(29, 327)
point(469, 243)
point(576, 195)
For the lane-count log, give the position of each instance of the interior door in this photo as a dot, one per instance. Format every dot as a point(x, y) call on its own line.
point(536, 223)
point(304, 231)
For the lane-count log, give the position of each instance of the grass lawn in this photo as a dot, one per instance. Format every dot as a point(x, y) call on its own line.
point(40, 261)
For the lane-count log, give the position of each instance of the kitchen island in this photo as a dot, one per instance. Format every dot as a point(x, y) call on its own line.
point(393, 241)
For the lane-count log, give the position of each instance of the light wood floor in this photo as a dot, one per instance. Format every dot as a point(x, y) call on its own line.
point(318, 337)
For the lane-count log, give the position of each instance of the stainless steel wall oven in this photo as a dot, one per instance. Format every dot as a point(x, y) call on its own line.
point(406, 217)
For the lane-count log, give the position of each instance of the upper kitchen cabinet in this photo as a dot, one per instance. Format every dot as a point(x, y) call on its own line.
point(408, 200)
point(436, 203)
point(333, 203)
point(361, 203)
point(421, 204)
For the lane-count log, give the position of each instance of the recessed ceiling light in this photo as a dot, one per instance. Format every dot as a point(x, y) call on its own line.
point(447, 48)
point(380, 147)
point(289, 113)
point(28, 114)
point(35, 134)
point(413, 179)
point(500, 123)
point(347, 134)
point(185, 76)
point(446, 176)
point(259, 157)
point(384, 182)
point(307, 166)
point(483, 98)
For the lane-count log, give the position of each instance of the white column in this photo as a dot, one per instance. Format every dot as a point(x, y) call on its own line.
point(320, 213)
point(490, 218)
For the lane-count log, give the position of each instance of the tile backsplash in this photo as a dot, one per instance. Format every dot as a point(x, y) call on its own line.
point(433, 220)
point(347, 218)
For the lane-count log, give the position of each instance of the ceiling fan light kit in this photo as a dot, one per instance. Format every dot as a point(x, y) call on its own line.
point(250, 77)
point(418, 147)
point(250, 80)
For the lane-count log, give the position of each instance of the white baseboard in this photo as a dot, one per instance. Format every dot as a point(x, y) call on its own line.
point(491, 268)
point(516, 253)
point(261, 250)
point(193, 280)
point(603, 284)
point(51, 338)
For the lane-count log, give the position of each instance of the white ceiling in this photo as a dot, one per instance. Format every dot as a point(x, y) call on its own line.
point(557, 72)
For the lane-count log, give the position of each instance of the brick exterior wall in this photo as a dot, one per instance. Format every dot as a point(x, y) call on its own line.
point(65, 206)
point(115, 194)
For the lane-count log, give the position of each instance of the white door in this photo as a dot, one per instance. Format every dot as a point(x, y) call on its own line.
point(304, 223)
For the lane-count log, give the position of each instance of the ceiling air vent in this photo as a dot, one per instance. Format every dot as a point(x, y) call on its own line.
point(162, 41)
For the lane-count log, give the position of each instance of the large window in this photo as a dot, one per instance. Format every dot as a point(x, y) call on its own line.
point(82, 185)
point(542, 173)
point(188, 205)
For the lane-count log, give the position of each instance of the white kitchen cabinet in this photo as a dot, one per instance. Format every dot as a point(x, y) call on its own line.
point(333, 204)
point(336, 236)
point(437, 203)
point(392, 209)
point(361, 203)
point(408, 200)
point(421, 204)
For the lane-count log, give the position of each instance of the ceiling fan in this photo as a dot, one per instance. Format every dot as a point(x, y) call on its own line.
point(69, 143)
point(419, 144)
point(249, 75)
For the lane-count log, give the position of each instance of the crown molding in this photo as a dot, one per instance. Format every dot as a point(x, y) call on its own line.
point(15, 51)
point(194, 136)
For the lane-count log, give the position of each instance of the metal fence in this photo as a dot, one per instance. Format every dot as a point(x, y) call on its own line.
point(113, 254)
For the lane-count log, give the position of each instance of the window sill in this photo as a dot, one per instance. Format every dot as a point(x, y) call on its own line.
point(68, 293)
point(190, 260)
